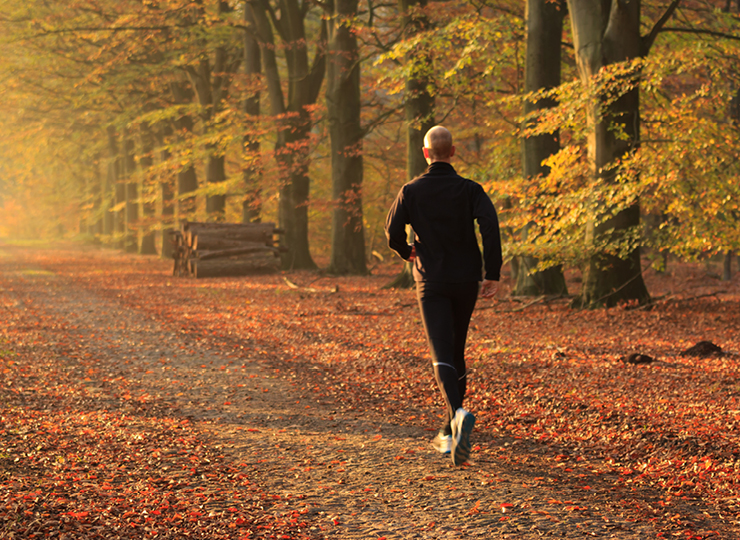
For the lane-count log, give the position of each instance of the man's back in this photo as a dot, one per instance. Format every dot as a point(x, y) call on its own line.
point(441, 207)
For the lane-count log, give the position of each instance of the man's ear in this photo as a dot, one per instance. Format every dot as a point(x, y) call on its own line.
point(426, 152)
point(452, 151)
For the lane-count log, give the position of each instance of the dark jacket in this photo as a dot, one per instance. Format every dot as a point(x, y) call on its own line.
point(441, 207)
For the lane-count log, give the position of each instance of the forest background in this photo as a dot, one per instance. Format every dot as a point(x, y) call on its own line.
point(606, 133)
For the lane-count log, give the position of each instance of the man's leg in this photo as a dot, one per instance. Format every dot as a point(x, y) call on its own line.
point(437, 314)
point(465, 297)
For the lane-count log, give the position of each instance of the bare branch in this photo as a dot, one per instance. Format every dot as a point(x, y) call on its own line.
point(647, 41)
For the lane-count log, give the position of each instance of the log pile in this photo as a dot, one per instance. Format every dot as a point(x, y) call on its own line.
point(224, 249)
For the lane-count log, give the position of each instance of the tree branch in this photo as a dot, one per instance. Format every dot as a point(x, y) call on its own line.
point(103, 29)
point(701, 31)
point(647, 41)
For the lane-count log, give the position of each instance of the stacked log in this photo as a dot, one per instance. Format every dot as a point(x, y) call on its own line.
point(225, 249)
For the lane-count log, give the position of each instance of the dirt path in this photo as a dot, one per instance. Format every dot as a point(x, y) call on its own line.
point(352, 475)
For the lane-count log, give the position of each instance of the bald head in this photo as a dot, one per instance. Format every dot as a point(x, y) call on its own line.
point(438, 145)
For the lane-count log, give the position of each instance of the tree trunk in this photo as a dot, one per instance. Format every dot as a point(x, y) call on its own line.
point(148, 205)
point(418, 112)
point(727, 266)
point(117, 176)
point(187, 178)
point(131, 240)
point(97, 195)
point(291, 149)
point(210, 81)
point(167, 198)
point(605, 33)
point(542, 71)
point(252, 202)
point(343, 105)
point(109, 185)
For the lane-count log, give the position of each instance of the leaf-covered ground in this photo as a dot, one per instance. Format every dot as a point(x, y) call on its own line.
point(133, 405)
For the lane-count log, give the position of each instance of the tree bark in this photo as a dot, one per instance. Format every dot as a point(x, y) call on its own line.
point(343, 105)
point(131, 240)
point(727, 266)
point(187, 178)
point(148, 205)
point(252, 202)
point(167, 198)
point(117, 216)
point(97, 195)
point(542, 71)
point(292, 147)
point(210, 81)
point(604, 33)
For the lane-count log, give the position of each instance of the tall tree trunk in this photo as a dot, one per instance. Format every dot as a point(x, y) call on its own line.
point(187, 178)
point(148, 202)
point(542, 71)
point(343, 105)
point(294, 194)
point(167, 198)
point(605, 33)
point(252, 201)
point(131, 240)
point(210, 81)
point(108, 187)
point(292, 147)
point(418, 108)
point(116, 174)
point(97, 195)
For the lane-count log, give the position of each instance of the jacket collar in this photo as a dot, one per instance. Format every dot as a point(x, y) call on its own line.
point(440, 167)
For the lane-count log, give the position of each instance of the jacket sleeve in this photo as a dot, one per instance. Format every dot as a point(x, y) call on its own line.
point(395, 227)
point(485, 214)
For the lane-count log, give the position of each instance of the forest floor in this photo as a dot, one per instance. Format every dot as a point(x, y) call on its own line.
point(138, 405)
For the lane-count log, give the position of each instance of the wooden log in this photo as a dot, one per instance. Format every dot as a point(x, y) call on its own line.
point(223, 224)
point(222, 253)
point(262, 236)
point(251, 264)
point(213, 243)
point(190, 227)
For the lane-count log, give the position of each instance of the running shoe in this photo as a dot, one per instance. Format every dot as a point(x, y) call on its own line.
point(442, 443)
point(462, 425)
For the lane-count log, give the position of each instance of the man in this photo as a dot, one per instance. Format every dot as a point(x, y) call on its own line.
point(441, 207)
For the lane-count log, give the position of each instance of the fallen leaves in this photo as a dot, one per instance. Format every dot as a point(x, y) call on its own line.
point(546, 376)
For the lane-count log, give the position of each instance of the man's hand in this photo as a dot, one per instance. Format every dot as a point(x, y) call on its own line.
point(488, 288)
point(413, 254)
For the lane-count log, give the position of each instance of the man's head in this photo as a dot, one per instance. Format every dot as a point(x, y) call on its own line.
point(438, 145)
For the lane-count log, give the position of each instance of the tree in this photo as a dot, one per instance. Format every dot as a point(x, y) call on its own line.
point(252, 202)
point(147, 192)
point(210, 79)
point(292, 115)
point(607, 33)
point(544, 20)
point(343, 105)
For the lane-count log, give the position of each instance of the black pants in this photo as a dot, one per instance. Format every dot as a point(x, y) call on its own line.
point(446, 309)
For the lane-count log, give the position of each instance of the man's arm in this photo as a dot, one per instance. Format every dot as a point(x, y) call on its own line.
point(485, 214)
point(395, 228)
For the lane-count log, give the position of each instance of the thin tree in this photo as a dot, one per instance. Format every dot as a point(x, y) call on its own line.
point(252, 201)
point(542, 72)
